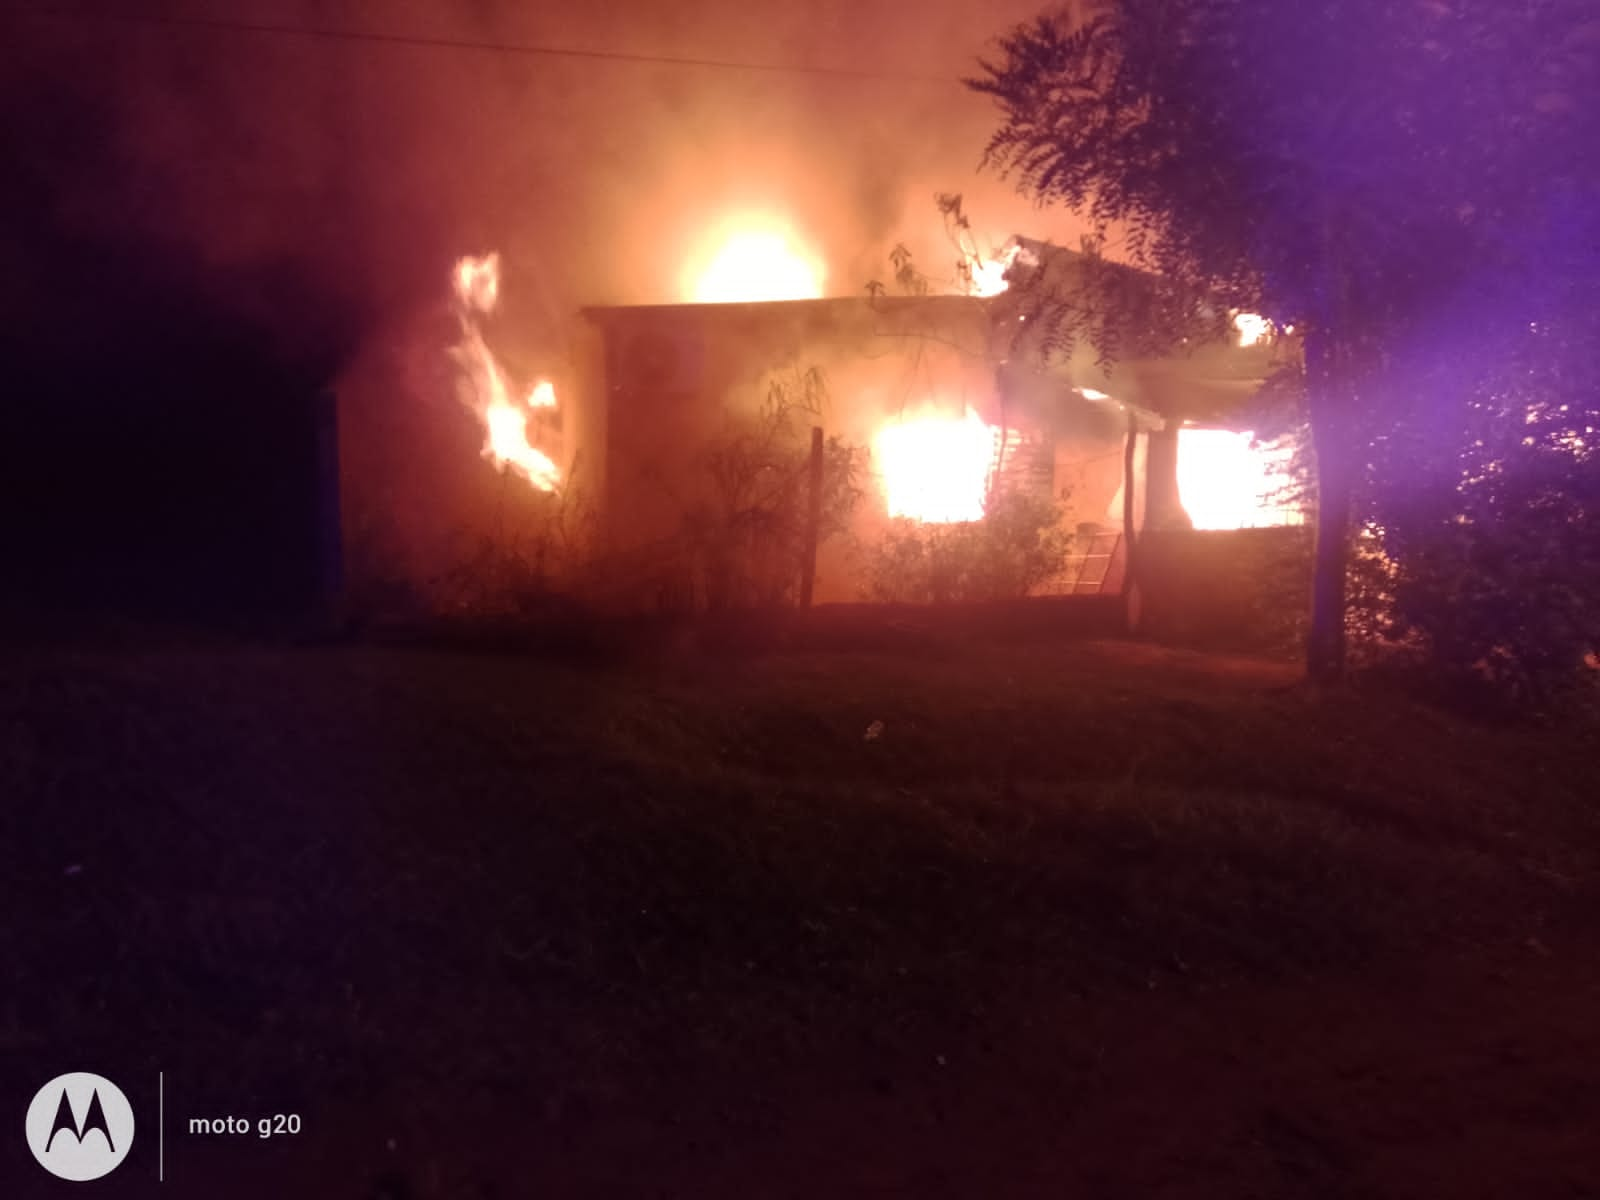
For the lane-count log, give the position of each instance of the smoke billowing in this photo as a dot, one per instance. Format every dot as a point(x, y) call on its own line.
point(312, 186)
point(208, 225)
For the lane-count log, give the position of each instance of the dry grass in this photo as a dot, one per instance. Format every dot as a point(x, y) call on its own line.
point(302, 873)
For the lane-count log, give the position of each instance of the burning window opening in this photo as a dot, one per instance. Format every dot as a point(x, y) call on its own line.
point(1252, 328)
point(1226, 481)
point(756, 264)
point(484, 387)
point(936, 469)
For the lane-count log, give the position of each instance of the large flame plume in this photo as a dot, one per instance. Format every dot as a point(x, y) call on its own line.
point(485, 387)
point(936, 469)
point(756, 260)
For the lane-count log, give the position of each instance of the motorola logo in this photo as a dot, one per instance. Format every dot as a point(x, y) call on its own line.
point(80, 1126)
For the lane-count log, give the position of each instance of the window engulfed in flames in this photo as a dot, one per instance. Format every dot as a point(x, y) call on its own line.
point(936, 469)
point(1225, 481)
point(1252, 329)
point(485, 388)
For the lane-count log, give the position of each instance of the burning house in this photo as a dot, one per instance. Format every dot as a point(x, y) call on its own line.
point(745, 453)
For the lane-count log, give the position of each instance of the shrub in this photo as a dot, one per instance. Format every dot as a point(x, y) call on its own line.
point(742, 545)
point(1486, 502)
point(529, 567)
point(1018, 544)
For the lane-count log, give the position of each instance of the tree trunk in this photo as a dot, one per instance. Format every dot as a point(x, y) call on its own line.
point(1131, 600)
point(1331, 425)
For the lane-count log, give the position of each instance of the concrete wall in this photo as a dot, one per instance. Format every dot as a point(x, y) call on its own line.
point(676, 379)
point(644, 393)
point(1247, 589)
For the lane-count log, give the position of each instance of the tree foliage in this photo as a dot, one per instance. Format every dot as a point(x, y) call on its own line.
point(1485, 499)
point(1352, 168)
point(1260, 150)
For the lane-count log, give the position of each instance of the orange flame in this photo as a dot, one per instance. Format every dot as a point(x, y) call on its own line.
point(988, 275)
point(756, 260)
point(1227, 482)
point(936, 469)
point(484, 386)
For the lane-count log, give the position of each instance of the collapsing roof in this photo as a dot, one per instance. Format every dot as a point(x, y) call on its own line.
point(1069, 299)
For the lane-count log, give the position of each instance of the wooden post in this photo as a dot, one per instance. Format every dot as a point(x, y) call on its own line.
point(1163, 507)
point(1130, 581)
point(808, 551)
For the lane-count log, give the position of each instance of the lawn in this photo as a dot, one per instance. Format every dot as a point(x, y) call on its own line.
point(974, 916)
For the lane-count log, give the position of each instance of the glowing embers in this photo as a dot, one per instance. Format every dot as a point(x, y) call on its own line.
point(1225, 482)
point(759, 260)
point(484, 387)
point(936, 469)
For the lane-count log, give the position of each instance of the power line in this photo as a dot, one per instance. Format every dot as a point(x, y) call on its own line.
point(524, 49)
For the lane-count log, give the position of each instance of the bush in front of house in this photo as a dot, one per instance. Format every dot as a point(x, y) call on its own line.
point(1018, 545)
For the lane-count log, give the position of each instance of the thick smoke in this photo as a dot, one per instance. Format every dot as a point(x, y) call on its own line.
point(317, 187)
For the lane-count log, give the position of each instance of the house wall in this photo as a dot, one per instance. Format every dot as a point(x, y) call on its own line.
point(1247, 589)
point(678, 380)
point(645, 394)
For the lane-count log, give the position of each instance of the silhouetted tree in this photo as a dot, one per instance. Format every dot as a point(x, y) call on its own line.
point(1485, 501)
point(1349, 167)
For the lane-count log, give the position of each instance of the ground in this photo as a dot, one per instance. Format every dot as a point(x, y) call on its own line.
point(974, 916)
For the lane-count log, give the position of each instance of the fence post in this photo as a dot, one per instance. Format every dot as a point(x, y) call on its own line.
point(808, 550)
point(1130, 576)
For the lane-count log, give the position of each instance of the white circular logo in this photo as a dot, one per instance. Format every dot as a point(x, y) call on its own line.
point(80, 1126)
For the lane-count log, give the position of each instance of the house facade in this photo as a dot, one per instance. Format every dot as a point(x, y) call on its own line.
point(684, 438)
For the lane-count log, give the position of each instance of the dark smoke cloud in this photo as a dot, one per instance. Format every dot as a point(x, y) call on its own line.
point(313, 189)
